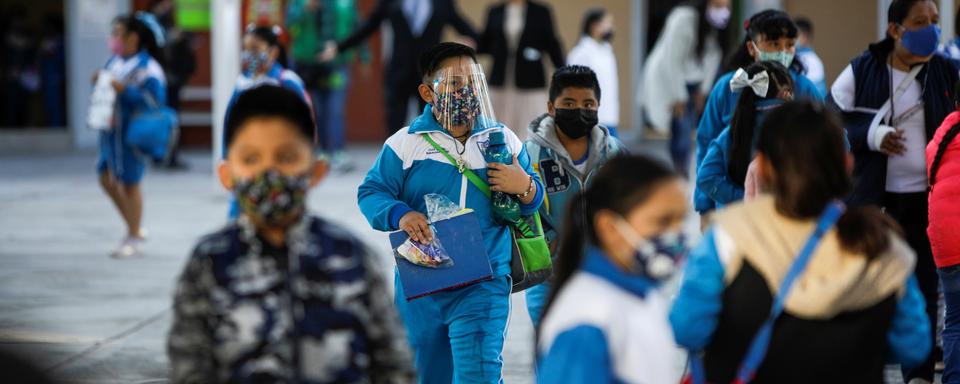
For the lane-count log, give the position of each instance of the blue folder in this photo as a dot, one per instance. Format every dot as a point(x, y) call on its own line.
point(461, 237)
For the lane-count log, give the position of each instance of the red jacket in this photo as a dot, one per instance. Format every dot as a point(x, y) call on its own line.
point(944, 228)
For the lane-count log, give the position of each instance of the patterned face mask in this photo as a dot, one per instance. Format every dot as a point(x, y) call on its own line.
point(273, 197)
point(657, 258)
point(254, 63)
point(459, 107)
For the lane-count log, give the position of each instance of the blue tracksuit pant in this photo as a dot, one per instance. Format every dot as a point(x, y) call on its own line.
point(457, 336)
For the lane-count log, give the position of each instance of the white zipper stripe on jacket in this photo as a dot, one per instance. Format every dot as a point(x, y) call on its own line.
point(463, 191)
point(463, 178)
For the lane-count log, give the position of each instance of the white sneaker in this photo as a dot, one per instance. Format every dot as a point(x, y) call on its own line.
point(129, 247)
point(340, 162)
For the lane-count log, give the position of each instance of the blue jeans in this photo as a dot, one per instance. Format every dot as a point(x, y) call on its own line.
point(950, 283)
point(330, 105)
point(681, 130)
point(457, 335)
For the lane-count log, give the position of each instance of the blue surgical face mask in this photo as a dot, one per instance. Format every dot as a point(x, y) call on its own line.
point(923, 41)
point(784, 57)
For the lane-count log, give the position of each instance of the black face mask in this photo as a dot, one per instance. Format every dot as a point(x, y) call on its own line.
point(607, 36)
point(575, 123)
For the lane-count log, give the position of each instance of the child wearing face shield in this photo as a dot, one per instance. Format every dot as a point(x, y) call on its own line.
point(567, 147)
point(605, 321)
point(723, 175)
point(263, 62)
point(894, 96)
point(457, 334)
point(793, 288)
point(280, 295)
point(770, 36)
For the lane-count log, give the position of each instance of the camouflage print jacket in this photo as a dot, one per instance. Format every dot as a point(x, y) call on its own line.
point(317, 311)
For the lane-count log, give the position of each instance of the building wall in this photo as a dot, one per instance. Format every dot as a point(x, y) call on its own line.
point(842, 29)
point(568, 18)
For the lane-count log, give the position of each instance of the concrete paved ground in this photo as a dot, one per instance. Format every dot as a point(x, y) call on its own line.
point(88, 318)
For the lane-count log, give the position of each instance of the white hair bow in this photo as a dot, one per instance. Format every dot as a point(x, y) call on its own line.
point(758, 83)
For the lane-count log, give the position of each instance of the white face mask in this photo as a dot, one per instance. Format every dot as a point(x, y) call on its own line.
point(718, 17)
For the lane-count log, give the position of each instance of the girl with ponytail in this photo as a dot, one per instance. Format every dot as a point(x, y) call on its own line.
point(768, 35)
point(722, 175)
point(856, 294)
point(622, 238)
point(263, 62)
point(943, 163)
point(135, 70)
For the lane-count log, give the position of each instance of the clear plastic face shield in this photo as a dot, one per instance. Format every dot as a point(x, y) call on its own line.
point(461, 98)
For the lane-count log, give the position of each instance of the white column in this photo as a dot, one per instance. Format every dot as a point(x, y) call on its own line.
point(882, 6)
point(947, 21)
point(225, 63)
point(638, 33)
point(88, 25)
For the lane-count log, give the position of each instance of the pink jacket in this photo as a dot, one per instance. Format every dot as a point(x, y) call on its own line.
point(944, 211)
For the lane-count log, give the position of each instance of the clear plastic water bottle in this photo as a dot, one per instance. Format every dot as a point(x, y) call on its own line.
point(506, 209)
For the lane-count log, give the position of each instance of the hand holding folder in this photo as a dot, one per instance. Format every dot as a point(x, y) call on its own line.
point(462, 239)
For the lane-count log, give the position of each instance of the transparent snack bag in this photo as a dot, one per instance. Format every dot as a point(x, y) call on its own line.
point(432, 254)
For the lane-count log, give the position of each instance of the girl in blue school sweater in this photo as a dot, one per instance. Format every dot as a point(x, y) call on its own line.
point(854, 307)
point(136, 68)
point(605, 321)
point(770, 35)
point(723, 172)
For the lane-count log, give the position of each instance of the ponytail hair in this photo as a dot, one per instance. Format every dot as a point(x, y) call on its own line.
point(621, 184)
point(148, 39)
point(744, 121)
point(804, 143)
point(946, 140)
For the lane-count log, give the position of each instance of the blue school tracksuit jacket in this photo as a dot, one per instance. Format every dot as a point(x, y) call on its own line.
point(562, 182)
point(713, 177)
point(717, 115)
point(464, 327)
point(606, 326)
point(144, 78)
point(864, 312)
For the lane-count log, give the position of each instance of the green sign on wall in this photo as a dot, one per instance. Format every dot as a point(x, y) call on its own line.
point(193, 15)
